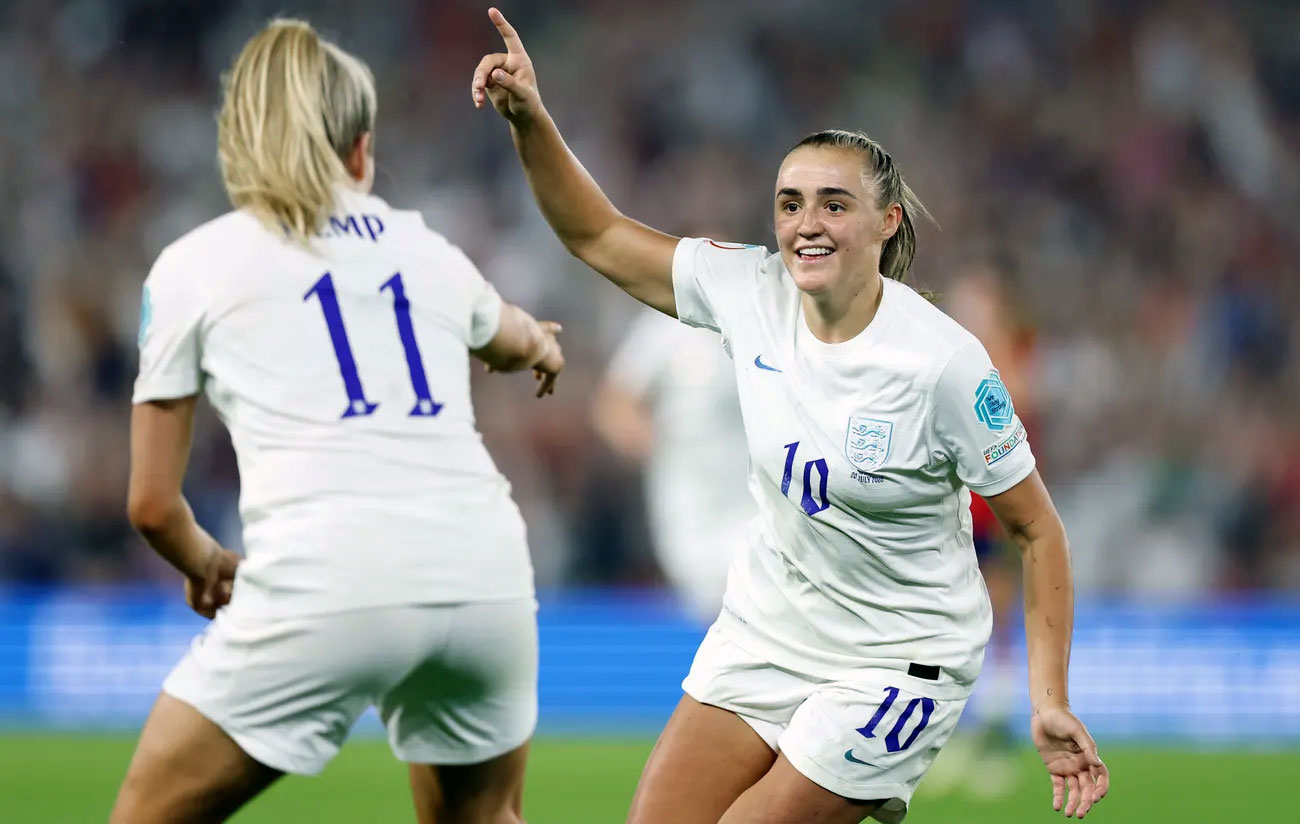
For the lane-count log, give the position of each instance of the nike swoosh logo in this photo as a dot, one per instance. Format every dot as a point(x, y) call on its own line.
point(848, 756)
point(758, 361)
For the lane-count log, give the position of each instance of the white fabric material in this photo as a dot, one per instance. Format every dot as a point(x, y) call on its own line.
point(454, 684)
point(343, 506)
point(825, 728)
point(860, 457)
point(696, 492)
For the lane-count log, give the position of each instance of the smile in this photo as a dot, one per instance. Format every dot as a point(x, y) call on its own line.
point(814, 253)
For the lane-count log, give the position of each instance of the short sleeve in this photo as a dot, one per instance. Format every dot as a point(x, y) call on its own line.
point(711, 280)
point(170, 347)
point(976, 425)
point(643, 355)
point(484, 304)
point(485, 316)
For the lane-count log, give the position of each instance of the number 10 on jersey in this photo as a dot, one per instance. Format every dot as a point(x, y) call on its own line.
point(810, 505)
point(425, 405)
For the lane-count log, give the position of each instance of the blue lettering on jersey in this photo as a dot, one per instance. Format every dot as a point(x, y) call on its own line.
point(993, 405)
point(343, 225)
point(146, 315)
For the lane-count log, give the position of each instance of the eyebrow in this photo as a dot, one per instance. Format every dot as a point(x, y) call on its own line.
point(825, 191)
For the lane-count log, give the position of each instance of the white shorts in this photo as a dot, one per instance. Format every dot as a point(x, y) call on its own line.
point(454, 684)
point(868, 739)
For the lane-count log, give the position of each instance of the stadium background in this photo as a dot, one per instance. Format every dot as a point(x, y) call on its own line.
point(1122, 177)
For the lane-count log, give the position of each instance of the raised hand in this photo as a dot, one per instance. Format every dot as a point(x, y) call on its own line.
point(507, 80)
point(1071, 758)
point(549, 368)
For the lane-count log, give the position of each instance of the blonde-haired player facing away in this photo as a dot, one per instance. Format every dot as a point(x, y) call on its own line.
point(386, 563)
point(668, 401)
point(854, 621)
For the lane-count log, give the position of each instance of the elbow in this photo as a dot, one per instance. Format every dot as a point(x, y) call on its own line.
point(587, 245)
point(148, 513)
point(580, 246)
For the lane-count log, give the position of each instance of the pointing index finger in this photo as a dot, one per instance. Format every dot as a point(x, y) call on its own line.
point(513, 44)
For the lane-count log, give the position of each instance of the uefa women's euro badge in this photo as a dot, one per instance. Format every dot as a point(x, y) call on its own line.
point(146, 316)
point(993, 403)
point(867, 443)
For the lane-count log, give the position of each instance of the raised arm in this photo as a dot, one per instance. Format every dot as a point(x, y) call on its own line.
point(636, 258)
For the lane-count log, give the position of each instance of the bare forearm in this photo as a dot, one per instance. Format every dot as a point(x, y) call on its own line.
point(569, 198)
point(1049, 616)
point(170, 529)
point(520, 344)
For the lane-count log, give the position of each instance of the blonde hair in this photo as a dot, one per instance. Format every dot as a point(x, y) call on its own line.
point(294, 107)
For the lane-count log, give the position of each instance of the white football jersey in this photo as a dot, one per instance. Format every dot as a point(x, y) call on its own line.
point(685, 378)
point(861, 456)
point(342, 374)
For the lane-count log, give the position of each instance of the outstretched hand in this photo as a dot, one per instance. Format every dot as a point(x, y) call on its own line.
point(507, 80)
point(549, 367)
point(1071, 758)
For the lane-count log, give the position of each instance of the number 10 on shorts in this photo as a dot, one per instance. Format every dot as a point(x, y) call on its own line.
point(892, 739)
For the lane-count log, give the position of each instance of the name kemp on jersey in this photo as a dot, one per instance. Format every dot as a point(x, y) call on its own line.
point(341, 226)
point(370, 330)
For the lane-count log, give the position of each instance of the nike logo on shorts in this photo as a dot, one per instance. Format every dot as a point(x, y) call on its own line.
point(848, 756)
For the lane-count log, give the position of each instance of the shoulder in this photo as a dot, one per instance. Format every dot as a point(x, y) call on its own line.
point(722, 258)
point(185, 269)
point(730, 270)
point(213, 242)
point(410, 232)
point(931, 339)
point(927, 326)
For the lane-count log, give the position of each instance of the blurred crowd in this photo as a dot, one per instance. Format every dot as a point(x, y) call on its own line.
point(1116, 187)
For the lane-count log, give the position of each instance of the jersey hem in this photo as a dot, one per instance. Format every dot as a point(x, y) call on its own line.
point(164, 391)
point(683, 285)
point(270, 756)
point(738, 633)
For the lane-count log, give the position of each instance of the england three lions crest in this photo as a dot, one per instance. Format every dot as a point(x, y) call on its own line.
point(867, 443)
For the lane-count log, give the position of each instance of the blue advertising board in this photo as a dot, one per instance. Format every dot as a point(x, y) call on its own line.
point(613, 661)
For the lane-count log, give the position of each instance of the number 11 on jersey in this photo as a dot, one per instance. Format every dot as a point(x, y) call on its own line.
point(358, 404)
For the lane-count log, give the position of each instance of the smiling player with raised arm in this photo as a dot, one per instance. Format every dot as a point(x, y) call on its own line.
point(855, 619)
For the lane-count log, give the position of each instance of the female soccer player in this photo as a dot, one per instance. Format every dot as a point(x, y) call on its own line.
point(386, 563)
point(854, 623)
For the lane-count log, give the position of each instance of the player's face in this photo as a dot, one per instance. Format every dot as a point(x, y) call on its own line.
point(828, 226)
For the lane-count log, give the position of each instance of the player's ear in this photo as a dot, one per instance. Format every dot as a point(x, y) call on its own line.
point(359, 156)
point(892, 219)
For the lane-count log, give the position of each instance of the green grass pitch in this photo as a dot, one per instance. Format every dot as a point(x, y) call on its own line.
point(56, 778)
